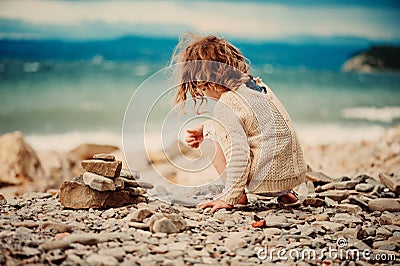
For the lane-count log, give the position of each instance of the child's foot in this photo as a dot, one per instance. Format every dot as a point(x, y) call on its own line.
point(243, 200)
point(288, 198)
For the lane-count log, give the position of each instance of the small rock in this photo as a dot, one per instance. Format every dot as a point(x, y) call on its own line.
point(389, 219)
point(146, 185)
point(346, 184)
point(86, 151)
point(343, 179)
point(325, 187)
point(96, 259)
point(272, 231)
point(345, 207)
point(318, 178)
point(384, 204)
point(3, 200)
point(58, 227)
point(229, 224)
point(234, 243)
point(164, 225)
point(108, 214)
point(276, 219)
point(258, 224)
point(139, 215)
point(118, 253)
point(356, 200)
point(19, 162)
point(134, 183)
point(385, 245)
point(364, 187)
point(314, 202)
point(327, 225)
point(129, 174)
point(98, 182)
point(322, 217)
point(136, 190)
point(28, 251)
point(391, 180)
point(381, 231)
point(104, 157)
point(119, 183)
point(80, 196)
point(336, 195)
point(36, 195)
point(138, 225)
point(330, 202)
point(103, 168)
point(346, 218)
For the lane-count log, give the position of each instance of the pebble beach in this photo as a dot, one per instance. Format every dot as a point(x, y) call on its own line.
point(347, 214)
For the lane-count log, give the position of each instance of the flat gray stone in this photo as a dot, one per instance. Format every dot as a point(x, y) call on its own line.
point(384, 204)
point(327, 225)
point(391, 180)
point(346, 218)
point(98, 182)
point(129, 174)
point(336, 195)
point(364, 187)
point(104, 157)
point(350, 208)
point(318, 177)
point(164, 225)
point(103, 168)
point(346, 184)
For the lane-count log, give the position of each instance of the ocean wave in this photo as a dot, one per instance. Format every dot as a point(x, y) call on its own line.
point(317, 134)
point(385, 114)
point(70, 140)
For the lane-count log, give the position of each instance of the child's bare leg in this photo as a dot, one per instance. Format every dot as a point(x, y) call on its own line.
point(219, 163)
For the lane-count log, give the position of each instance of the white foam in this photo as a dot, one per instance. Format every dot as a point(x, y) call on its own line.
point(384, 114)
point(68, 141)
point(315, 134)
point(310, 134)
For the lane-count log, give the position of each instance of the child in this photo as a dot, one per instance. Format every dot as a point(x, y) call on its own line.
point(256, 145)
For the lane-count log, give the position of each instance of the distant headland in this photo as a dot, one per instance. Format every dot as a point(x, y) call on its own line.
point(375, 59)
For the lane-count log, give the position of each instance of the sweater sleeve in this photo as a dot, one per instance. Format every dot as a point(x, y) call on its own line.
point(233, 140)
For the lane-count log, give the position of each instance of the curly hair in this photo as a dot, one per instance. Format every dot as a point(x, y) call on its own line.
point(207, 62)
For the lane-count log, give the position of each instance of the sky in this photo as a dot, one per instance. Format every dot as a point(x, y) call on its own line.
point(253, 20)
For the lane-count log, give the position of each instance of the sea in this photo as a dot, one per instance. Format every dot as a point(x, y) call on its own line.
point(69, 94)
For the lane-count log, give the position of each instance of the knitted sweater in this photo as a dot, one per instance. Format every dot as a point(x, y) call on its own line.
point(259, 142)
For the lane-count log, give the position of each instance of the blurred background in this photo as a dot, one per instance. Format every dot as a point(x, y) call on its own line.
point(69, 68)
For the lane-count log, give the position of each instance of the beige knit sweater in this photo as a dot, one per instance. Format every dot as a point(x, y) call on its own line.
point(259, 142)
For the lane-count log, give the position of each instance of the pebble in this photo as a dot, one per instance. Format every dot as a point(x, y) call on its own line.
point(346, 184)
point(96, 259)
point(37, 230)
point(364, 187)
point(164, 225)
point(384, 204)
point(336, 195)
point(104, 157)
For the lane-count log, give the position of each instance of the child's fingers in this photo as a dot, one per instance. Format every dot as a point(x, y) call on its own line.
point(193, 143)
point(191, 130)
point(194, 132)
point(204, 205)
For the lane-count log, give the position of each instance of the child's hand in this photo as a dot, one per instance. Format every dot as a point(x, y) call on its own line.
point(215, 205)
point(195, 136)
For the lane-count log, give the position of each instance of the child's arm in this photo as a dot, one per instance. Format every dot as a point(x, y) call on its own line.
point(233, 140)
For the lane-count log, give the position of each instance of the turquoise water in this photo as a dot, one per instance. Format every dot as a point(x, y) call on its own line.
point(42, 98)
